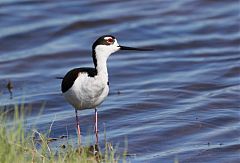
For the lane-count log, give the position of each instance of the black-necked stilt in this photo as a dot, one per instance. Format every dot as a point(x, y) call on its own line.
point(86, 88)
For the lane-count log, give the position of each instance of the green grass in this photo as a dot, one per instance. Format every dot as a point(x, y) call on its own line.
point(17, 145)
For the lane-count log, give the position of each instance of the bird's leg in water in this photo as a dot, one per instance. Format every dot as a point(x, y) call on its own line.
point(78, 128)
point(96, 125)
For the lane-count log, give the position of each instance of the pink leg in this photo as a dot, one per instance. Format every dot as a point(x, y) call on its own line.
point(96, 125)
point(78, 128)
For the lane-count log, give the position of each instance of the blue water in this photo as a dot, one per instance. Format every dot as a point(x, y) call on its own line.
point(180, 101)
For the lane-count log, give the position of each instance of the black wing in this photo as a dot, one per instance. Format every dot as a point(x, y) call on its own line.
point(72, 75)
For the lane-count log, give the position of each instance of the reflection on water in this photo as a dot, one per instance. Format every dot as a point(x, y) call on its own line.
point(179, 101)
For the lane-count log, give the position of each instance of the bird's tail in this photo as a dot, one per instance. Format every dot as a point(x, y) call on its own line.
point(59, 77)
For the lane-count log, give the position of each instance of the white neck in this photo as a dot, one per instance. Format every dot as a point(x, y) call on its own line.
point(102, 71)
point(102, 66)
point(102, 52)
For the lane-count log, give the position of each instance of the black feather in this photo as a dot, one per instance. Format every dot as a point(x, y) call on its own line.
point(58, 77)
point(72, 75)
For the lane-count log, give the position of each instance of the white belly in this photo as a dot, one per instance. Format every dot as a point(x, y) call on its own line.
point(87, 92)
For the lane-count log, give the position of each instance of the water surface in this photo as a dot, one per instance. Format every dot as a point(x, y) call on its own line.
point(179, 101)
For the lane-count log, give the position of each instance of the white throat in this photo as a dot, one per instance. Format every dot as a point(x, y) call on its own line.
point(102, 65)
point(102, 54)
point(101, 57)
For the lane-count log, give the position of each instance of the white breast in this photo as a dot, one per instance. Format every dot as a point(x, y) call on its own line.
point(87, 92)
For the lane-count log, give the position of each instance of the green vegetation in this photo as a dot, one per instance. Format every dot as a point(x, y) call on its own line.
point(18, 146)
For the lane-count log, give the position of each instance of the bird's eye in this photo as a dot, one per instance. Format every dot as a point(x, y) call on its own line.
point(110, 40)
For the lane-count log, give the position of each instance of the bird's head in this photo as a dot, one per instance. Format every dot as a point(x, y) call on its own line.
point(105, 45)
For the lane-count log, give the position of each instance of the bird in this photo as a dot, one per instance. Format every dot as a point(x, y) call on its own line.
point(87, 87)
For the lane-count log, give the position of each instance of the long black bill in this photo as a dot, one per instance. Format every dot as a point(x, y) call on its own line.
point(131, 48)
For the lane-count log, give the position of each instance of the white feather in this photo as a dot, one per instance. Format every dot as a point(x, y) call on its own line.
point(87, 92)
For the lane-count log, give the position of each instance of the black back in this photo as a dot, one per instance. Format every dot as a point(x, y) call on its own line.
point(72, 75)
